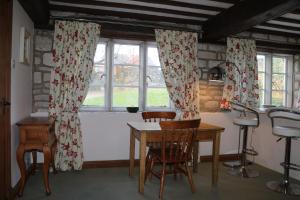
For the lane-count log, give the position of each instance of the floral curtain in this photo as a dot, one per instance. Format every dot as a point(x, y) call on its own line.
point(241, 82)
point(178, 58)
point(73, 53)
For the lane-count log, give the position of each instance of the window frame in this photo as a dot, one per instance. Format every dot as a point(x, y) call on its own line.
point(142, 88)
point(269, 74)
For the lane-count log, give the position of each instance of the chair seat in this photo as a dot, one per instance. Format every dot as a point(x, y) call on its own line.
point(245, 121)
point(285, 131)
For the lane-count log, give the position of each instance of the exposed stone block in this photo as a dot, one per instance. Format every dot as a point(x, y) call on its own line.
point(202, 63)
point(202, 46)
point(37, 77)
point(292, 40)
point(37, 60)
point(47, 69)
point(48, 60)
point(297, 77)
point(260, 36)
point(46, 77)
point(207, 55)
point(212, 105)
point(219, 48)
point(41, 97)
point(213, 63)
point(36, 91)
point(43, 43)
point(41, 104)
point(277, 38)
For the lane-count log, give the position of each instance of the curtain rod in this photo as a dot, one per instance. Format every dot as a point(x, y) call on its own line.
point(99, 21)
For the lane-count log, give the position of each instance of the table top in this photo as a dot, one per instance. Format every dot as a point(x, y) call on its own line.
point(154, 126)
point(34, 121)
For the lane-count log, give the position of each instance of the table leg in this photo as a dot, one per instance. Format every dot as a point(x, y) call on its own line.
point(142, 162)
point(21, 163)
point(131, 152)
point(195, 156)
point(215, 164)
point(47, 160)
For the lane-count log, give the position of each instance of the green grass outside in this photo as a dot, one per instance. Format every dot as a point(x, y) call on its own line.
point(123, 97)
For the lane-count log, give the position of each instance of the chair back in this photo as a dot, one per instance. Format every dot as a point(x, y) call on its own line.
point(177, 140)
point(244, 110)
point(158, 116)
point(283, 113)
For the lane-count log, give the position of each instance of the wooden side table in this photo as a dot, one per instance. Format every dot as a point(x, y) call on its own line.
point(36, 134)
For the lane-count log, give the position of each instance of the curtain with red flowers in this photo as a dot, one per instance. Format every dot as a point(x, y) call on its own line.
point(241, 82)
point(178, 57)
point(73, 53)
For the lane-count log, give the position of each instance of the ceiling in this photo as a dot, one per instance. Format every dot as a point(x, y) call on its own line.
point(215, 19)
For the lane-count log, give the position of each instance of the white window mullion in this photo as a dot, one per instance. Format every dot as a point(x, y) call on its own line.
point(142, 96)
point(110, 54)
point(290, 81)
point(268, 79)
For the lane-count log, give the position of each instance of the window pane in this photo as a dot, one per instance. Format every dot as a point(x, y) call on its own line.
point(278, 82)
point(126, 54)
point(278, 65)
point(155, 77)
point(261, 62)
point(126, 75)
point(123, 97)
point(99, 54)
point(157, 97)
point(152, 58)
point(261, 97)
point(261, 80)
point(96, 92)
point(278, 98)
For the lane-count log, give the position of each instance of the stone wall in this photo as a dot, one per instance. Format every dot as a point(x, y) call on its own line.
point(209, 55)
point(41, 69)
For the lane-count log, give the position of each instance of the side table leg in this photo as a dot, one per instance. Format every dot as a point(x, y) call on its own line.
point(53, 149)
point(195, 156)
point(21, 163)
point(47, 160)
point(34, 158)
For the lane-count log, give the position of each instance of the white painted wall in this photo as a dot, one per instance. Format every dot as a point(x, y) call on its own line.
point(21, 84)
point(106, 137)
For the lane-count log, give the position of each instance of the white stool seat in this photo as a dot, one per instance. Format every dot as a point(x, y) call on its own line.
point(245, 121)
point(285, 131)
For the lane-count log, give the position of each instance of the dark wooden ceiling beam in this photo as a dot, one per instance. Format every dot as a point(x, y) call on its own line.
point(182, 4)
point(129, 15)
point(38, 10)
point(133, 7)
point(244, 15)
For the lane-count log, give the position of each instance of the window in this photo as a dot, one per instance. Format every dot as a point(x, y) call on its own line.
point(157, 94)
point(275, 79)
point(127, 73)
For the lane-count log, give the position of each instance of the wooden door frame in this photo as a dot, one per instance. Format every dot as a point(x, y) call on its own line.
point(6, 9)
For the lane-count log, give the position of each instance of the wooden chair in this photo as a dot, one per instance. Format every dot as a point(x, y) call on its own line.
point(158, 116)
point(176, 149)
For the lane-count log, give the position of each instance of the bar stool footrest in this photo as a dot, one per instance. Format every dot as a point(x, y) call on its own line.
point(251, 152)
point(291, 166)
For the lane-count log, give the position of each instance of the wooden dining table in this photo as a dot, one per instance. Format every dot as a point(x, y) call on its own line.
point(151, 132)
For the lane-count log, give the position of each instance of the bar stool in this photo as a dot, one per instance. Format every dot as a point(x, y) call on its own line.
point(248, 118)
point(289, 133)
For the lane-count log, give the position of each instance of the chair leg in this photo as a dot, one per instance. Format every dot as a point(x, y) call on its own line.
point(162, 181)
point(148, 166)
point(190, 178)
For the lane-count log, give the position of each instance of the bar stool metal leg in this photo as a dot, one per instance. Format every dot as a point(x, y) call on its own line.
point(285, 186)
point(243, 171)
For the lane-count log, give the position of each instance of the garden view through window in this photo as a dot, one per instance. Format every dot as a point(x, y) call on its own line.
point(273, 79)
point(128, 76)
